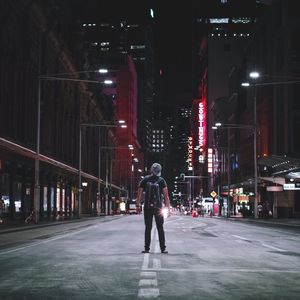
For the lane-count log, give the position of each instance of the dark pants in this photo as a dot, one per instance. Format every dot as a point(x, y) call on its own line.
point(159, 220)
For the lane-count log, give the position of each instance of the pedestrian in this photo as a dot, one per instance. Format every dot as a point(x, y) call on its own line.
point(154, 186)
point(2, 207)
point(260, 210)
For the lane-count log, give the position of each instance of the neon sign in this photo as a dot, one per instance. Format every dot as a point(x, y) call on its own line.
point(190, 153)
point(209, 160)
point(201, 125)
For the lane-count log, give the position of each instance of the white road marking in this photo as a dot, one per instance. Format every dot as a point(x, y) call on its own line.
point(145, 261)
point(149, 279)
point(148, 274)
point(240, 237)
point(148, 293)
point(263, 244)
point(148, 282)
point(157, 248)
point(274, 248)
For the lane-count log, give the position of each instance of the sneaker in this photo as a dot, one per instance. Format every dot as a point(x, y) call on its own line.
point(145, 251)
point(164, 251)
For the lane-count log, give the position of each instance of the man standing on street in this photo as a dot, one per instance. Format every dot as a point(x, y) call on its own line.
point(154, 186)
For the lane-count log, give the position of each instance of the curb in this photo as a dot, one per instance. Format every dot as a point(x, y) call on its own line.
point(266, 222)
point(16, 228)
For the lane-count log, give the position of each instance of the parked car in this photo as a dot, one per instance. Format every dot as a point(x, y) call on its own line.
point(208, 204)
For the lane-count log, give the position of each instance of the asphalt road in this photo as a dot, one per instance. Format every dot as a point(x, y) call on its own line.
point(101, 258)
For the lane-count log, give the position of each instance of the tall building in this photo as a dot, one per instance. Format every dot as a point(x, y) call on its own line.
point(222, 30)
point(277, 110)
point(45, 152)
point(121, 39)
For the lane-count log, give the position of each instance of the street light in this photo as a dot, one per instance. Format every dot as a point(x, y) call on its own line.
point(254, 75)
point(120, 124)
point(237, 126)
point(55, 77)
point(280, 80)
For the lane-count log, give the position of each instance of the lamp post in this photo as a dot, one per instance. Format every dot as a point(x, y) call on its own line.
point(280, 80)
point(120, 124)
point(56, 77)
point(236, 126)
point(255, 75)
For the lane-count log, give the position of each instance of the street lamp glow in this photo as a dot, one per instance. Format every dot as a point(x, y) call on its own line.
point(123, 126)
point(245, 84)
point(121, 122)
point(254, 74)
point(108, 81)
point(103, 71)
point(214, 127)
point(218, 124)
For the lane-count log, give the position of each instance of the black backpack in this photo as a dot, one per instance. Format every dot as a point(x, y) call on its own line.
point(152, 194)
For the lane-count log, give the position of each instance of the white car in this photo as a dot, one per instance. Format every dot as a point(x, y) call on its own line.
point(207, 204)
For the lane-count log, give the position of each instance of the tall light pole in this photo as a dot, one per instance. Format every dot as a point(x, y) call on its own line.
point(120, 124)
point(56, 77)
point(255, 75)
point(280, 80)
point(228, 127)
point(36, 195)
point(228, 173)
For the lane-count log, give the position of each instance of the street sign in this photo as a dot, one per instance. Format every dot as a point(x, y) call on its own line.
point(213, 194)
point(275, 188)
point(291, 186)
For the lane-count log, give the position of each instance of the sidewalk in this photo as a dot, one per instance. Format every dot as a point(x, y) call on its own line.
point(19, 225)
point(291, 222)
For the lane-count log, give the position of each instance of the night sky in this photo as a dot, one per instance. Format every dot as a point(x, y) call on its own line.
point(173, 36)
point(174, 32)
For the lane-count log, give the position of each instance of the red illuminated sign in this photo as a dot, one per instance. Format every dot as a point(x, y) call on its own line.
point(209, 160)
point(190, 153)
point(201, 125)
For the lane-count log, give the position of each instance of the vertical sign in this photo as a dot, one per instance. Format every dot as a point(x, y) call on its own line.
point(190, 153)
point(209, 160)
point(201, 129)
point(201, 125)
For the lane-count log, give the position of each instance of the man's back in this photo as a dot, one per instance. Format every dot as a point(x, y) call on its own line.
point(153, 186)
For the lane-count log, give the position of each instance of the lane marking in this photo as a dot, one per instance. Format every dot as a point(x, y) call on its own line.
point(148, 293)
point(240, 237)
point(274, 248)
point(151, 282)
point(148, 281)
point(148, 274)
point(145, 261)
point(263, 244)
point(156, 248)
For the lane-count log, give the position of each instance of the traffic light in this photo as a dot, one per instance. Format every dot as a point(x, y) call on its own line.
point(182, 176)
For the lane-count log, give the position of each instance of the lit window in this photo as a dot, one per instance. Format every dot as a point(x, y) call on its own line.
point(137, 47)
point(219, 20)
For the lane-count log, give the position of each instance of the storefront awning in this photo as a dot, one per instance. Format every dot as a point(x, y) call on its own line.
point(282, 166)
